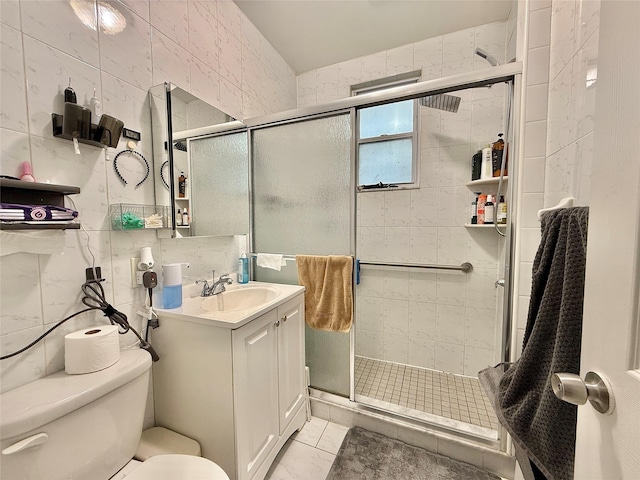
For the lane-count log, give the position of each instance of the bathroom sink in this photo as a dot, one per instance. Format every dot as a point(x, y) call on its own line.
point(240, 299)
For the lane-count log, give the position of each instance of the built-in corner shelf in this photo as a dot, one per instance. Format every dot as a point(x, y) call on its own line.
point(487, 182)
point(489, 225)
point(35, 193)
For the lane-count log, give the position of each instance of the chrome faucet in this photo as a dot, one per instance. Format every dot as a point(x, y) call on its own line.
point(216, 287)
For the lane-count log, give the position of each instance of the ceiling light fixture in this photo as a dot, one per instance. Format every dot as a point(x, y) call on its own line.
point(110, 19)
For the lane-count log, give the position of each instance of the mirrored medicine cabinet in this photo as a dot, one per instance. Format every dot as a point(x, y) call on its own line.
point(204, 144)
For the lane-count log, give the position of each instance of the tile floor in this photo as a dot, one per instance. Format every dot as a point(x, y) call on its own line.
point(309, 453)
point(439, 393)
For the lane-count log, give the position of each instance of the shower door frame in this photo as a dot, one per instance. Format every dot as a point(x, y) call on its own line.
point(510, 72)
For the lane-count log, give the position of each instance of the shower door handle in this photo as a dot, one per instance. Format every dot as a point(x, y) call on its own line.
point(499, 283)
point(572, 389)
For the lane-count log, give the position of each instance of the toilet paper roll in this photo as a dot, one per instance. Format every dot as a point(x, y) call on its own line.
point(91, 349)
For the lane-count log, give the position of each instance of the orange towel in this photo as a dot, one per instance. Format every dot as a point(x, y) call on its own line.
point(328, 295)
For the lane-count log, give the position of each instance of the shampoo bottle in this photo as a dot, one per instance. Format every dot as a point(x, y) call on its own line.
point(182, 185)
point(185, 217)
point(501, 215)
point(482, 200)
point(487, 167)
point(497, 151)
point(243, 269)
point(476, 165)
point(489, 210)
point(179, 218)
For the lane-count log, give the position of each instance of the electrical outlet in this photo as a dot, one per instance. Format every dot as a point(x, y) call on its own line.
point(134, 273)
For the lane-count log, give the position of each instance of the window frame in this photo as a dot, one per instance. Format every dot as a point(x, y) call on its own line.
point(413, 135)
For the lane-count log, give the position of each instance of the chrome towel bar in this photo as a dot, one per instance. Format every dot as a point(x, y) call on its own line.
point(465, 267)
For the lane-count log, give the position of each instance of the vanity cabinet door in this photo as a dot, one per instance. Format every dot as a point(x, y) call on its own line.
point(291, 377)
point(255, 374)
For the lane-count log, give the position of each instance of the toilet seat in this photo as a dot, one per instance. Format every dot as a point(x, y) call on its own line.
point(177, 467)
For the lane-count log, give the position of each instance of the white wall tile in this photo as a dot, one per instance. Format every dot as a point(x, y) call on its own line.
point(205, 84)
point(533, 175)
point(449, 357)
point(563, 20)
point(450, 324)
point(458, 52)
point(451, 288)
point(396, 348)
point(27, 366)
point(397, 211)
point(481, 289)
point(480, 327)
point(10, 13)
point(537, 97)
point(140, 7)
point(370, 315)
point(531, 203)
point(490, 38)
point(171, 17)
point(395, 283)
point(230, 60)
point(48, 72)
point(397, 243)
point(421, 352)
point(535, 139)
point(374, 66)
point(135, 40)
point(62, 29)
point(400, 60)
point(538, 66)
point(423, 286)
point(12, 81)
point(540, 28)
point(19, 281)
point(55, 162)
point(424, 245)
point(171, 62)
point(203, 32)
point(396, 317)
point(422, 321)
point(588, 20)
point(476, 359)
point(14, 149)
point(561, 125)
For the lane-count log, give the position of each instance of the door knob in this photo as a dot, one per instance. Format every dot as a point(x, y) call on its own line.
point(572, 389)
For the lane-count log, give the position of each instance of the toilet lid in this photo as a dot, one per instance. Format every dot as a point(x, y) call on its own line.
point(177, 467)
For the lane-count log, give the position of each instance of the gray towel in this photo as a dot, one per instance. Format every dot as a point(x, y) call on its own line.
point(542, 426)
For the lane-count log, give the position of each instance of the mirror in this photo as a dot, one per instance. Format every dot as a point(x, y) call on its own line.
point(209, 148)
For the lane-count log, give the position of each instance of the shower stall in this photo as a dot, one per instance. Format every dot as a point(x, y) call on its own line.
point(432, 303)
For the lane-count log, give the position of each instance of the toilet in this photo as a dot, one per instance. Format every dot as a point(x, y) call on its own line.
point(88, 427)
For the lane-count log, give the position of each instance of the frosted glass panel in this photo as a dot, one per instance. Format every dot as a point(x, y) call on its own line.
point(220, 185)
point(302, 187)
point(386, 119)
point(386, 162)
point(302, 203)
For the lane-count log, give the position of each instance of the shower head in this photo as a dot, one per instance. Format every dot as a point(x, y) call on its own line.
point(180, 145)
point(442, 101)
point(487, 56)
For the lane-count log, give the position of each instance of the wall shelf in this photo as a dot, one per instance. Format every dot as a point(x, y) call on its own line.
point(126, 216)
point(56, 122)
point(487, 182)
point(35, 193)
point(488, 225)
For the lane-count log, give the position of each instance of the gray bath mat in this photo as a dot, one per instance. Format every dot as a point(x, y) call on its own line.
point(366, 455)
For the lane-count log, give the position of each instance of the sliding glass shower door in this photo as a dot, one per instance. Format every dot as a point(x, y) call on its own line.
point(303, 204)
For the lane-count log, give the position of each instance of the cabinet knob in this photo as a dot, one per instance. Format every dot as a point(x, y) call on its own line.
point(284, 318)
point(277, 323)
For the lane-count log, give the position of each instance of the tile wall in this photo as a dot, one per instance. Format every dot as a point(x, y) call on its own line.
point(444, 320)
point(208, 48)
point(561, 71)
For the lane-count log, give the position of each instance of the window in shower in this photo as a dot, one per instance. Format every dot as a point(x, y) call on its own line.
point(387, 138)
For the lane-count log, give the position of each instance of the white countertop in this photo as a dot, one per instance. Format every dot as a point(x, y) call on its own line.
point(189, 311)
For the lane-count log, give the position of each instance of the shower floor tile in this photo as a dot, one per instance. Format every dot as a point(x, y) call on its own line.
point(453, 396)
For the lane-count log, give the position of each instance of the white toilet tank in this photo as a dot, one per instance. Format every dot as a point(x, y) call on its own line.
point(75, 426)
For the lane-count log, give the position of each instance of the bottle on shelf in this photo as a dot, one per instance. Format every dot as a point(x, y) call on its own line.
point(501, 215)
point(179, 218)
point(476, 165)
point(482, 200)
point(489, 210)
point(497, 151)
point(486, 170)
point(182, 185)
point(474, 209)
point(185, 217)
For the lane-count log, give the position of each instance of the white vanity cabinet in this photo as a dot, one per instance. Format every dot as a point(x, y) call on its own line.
point(239, 392)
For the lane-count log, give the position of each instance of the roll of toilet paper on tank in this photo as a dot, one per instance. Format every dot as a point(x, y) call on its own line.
point(91, 349)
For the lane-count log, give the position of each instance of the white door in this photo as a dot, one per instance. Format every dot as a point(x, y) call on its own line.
point(608, 446)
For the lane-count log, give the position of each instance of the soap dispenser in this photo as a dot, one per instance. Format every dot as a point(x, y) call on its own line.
point(243, 269)
point(172, 284)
